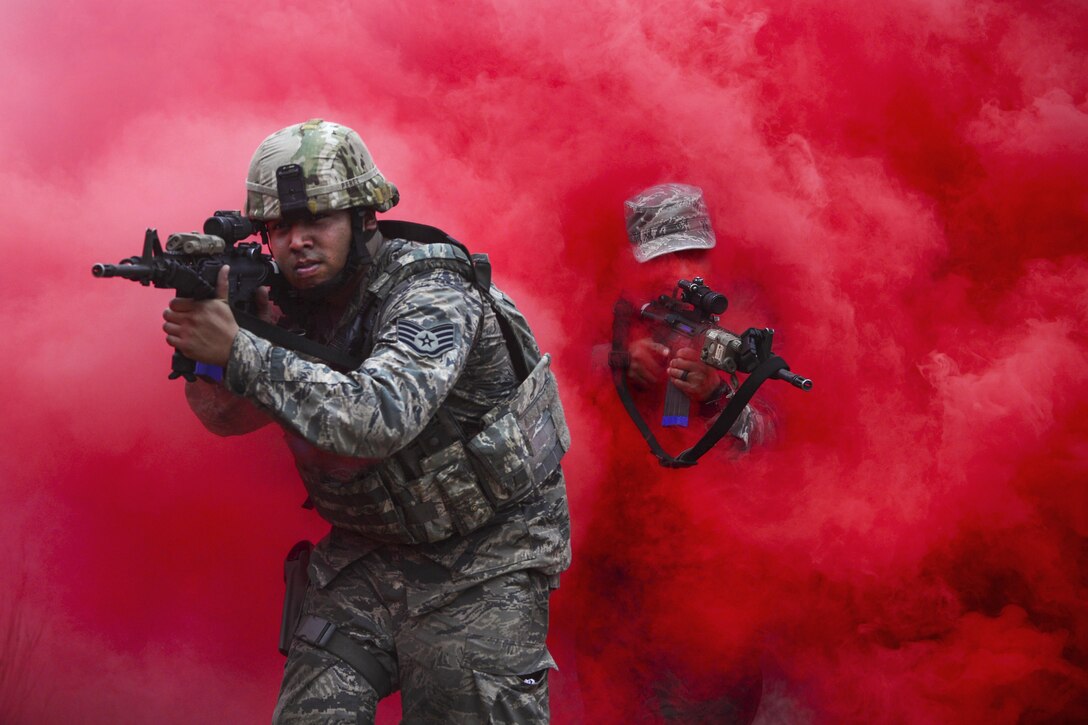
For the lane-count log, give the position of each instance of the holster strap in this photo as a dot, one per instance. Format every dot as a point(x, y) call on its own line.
point(323, 634)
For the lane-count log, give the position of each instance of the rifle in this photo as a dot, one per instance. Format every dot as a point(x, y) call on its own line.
point(190, 265)
point(692, 312)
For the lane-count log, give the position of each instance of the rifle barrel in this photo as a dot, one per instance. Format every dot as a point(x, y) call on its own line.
point(128, 271)
point(794, 379)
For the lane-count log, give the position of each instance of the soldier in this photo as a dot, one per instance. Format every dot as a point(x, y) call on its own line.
point(669, 224)
point(708, 678)
point(435, 459)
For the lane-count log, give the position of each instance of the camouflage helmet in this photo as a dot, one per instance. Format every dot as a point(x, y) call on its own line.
point(334, 172)
point(667, 218)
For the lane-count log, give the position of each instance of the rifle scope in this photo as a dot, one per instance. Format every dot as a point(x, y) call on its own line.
point(701, 297)
point(230, 226)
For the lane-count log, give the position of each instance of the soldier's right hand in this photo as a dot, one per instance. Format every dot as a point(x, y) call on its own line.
point(202, 330)
point(648, 361)
point(266, 308)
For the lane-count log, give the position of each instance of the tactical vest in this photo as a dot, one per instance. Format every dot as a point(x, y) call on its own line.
point(448, 481)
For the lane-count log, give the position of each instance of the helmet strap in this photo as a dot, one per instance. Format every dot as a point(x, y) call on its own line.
point(360, 238)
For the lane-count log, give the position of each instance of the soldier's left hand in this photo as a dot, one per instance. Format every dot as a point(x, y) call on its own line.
point(202, 330)
point(692, 376)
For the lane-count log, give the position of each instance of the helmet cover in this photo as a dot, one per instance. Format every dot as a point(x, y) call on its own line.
point(337, 170)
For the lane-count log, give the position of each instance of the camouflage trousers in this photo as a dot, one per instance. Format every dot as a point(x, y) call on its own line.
point(480, 658)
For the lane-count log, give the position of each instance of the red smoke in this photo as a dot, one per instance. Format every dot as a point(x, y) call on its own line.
point(897, 188)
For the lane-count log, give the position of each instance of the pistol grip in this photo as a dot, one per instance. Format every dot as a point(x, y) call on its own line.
point(182, 367)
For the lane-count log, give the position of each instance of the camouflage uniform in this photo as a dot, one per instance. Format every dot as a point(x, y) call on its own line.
point(664, 685)
point(668, 218)
point(458, 623)
point(432, 569)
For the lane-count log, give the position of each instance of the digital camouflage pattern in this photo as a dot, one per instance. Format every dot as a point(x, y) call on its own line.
point(374, 411)
point(337, 168)
point(479, 659)
point(667, 218)
point(446, 586)
point(346, 428)
point(753, 427)
point(435, 606)
point(431, 491)
point(523, 439)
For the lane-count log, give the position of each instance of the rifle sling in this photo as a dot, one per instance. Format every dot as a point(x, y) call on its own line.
point(732, 411)
point(425, 234)
point(620, 361)
point(281, 337)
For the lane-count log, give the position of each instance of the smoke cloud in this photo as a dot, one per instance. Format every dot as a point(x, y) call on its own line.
point(897, 188)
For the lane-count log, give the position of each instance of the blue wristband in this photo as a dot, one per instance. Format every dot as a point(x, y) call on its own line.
point(212, 372)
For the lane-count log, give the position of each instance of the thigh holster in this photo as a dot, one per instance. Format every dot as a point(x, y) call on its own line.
point(296, 579)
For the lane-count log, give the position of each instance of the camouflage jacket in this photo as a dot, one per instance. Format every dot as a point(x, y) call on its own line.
point(437, 348)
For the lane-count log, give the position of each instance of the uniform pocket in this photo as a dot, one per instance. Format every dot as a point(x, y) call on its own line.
point(511, 680)
point(506, 659)
point(523, 439)
point(501, 451)
point(450, 484)
point(425, 513)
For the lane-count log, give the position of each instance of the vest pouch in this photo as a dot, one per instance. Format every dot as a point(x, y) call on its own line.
point(425, 517)
point(523, 439)
point(449, 482)
point(364, 504)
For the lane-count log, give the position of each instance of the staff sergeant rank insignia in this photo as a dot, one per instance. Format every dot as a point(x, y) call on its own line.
point(429, 341)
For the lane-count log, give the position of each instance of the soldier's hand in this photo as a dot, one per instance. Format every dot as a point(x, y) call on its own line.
point(202, 330)
point(692, 376)
point(648, 360)
point(266, 308)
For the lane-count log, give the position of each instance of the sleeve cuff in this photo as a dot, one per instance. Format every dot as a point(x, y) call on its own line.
point(717, 401)
point(246, 363)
